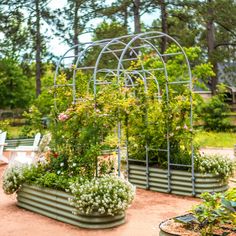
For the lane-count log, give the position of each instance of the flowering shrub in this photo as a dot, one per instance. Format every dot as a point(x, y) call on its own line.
point(63, 116)
point(108, 195)
point(13, 177)
point(215, 164)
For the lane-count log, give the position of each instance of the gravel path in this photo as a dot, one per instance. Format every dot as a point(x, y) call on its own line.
point(143, 218)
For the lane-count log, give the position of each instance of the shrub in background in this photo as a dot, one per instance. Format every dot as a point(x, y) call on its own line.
point(214, 111)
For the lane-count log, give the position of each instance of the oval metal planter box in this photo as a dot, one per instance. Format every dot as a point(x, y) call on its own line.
point(55, 204)
point(163, 232)
point(181, 181)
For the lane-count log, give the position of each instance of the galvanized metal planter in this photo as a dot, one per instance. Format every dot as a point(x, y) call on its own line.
point(156, 179)
point(162, 232)
point(55, 204)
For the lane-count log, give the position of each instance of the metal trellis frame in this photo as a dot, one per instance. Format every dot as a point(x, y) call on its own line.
point(125, 50)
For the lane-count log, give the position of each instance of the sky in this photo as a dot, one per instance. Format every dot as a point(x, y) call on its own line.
point(58, 48)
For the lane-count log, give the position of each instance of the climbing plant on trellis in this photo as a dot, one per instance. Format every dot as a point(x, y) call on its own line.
point(150, 97)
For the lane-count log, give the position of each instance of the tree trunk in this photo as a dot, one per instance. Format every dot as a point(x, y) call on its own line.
point(164, 26)
point(136, 10)
point(211, 45)
point(76, 28)
point(38, 50)
point(126, 18)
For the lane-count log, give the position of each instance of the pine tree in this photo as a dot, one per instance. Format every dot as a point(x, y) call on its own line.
point(36, 14)
point(74, 18)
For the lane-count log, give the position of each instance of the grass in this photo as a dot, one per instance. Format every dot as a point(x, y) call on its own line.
point(213, 139)
point(202, 139)
point(13, 131)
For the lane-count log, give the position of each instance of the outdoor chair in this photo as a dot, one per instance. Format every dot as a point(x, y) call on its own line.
point(2, 144)
point(25, 154)
point(33, 148)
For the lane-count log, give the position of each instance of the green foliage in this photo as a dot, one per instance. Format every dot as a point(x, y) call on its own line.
point(175, 113)
point(215, 164)
point(214, 112)
point(44, 101)
point(105, 30)
point(32, 173)
point(4, 125)
point(108, 195)
point(215, 211)
point(41, 107)
point(15, 87)
point(34, 122)
point(208, 213)
point(229, 202)
point(41, 175)
point(108, 30)
point(52, 180)
point(14, 42)
point(231, 195)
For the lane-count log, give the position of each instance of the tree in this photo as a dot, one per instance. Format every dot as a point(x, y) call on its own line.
point(105, 30)
point(15, 87)
point(123, 10)
point(36, 14)
point(207, 24)
point(74, 18)
point(14, 43)
point(219, 32)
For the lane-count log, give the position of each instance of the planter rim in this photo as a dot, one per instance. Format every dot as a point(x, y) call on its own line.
point(173, 234)
point(197, 174)
point(166, 231)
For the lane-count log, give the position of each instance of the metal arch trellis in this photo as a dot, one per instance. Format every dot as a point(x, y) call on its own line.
point(127, 49)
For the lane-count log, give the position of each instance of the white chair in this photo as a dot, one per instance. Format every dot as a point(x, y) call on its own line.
point(33, 148)
point(25, 154)
point(3, 136)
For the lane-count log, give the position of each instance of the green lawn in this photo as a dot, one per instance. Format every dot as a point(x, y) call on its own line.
point(203, 138)
point(213, 139)
point(14, 131)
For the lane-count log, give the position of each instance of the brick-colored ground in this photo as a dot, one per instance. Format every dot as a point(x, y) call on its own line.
point(143, 217)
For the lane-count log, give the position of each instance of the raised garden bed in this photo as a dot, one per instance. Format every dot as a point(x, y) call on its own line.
point(177, 227)
point(55, 204)
point(180, 181)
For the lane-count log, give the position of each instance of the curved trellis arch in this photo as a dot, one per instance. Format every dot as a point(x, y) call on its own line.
point(125, 50)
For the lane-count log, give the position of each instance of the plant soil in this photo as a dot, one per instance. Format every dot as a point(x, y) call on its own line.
point(176, 228)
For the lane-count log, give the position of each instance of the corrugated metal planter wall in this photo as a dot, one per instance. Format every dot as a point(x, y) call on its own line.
point(55, 204)
point(181, 181)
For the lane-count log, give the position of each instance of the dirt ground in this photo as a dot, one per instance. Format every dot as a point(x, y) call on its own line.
point(143, 217)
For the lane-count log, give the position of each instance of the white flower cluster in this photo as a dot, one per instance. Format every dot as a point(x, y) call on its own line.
point(215, 164)
point(109, 195)
point(13, 178)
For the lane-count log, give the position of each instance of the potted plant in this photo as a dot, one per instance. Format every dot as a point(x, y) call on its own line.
point(216, 215)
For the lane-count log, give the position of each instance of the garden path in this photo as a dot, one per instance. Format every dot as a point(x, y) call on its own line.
point(143, 217)
point(229, 152)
